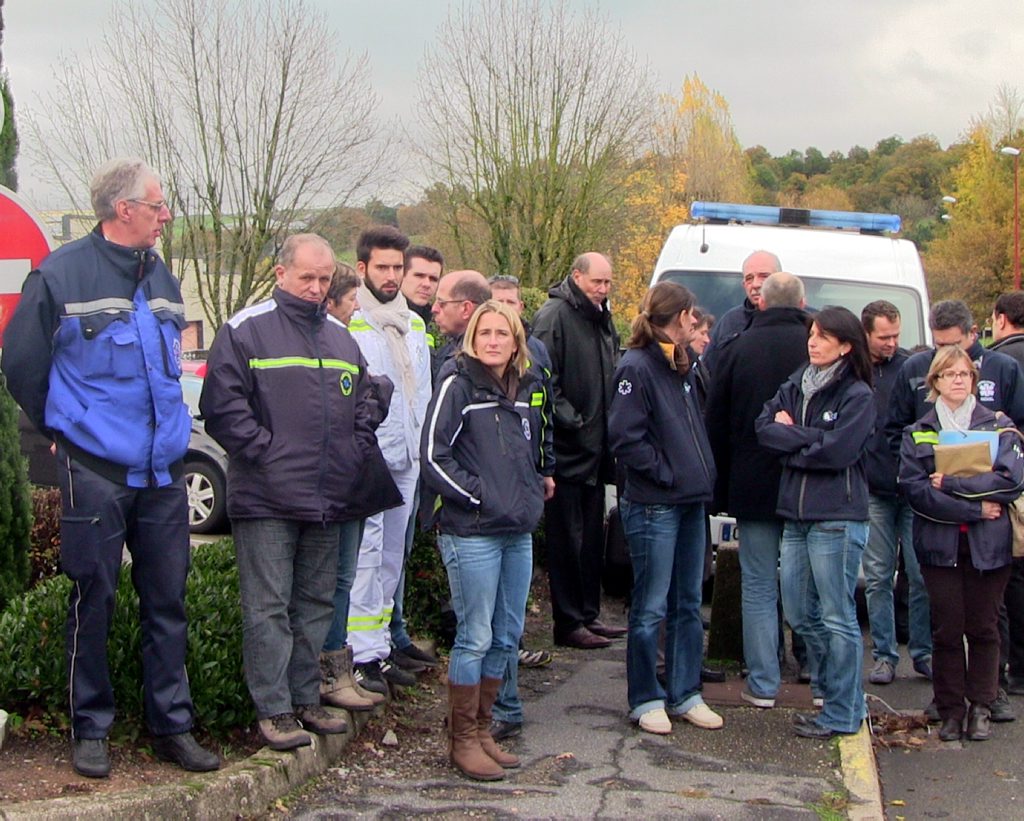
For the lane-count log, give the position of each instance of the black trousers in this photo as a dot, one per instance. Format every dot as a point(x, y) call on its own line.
point(1011, 625)
point(964, 604)
point(99, 518)
point(574, 530)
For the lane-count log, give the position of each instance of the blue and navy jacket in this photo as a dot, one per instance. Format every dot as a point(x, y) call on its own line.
point(657, 433)
point(939, 514)
point(1000, 388)
point(823, 474)
point(485, 453)
point(287, 395)
point(93, 355)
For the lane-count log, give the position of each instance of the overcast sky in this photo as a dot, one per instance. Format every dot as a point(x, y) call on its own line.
point(830, 74)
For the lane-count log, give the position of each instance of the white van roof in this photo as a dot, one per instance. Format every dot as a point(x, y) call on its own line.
point(819, 252)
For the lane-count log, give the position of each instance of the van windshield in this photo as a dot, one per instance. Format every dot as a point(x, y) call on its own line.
point(718, 291)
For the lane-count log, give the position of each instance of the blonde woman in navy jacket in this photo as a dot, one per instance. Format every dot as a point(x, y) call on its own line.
point(657, 436)
point(820, 422)
point(482, 451)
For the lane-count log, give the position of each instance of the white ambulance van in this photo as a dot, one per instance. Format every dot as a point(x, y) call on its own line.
point(843, 257)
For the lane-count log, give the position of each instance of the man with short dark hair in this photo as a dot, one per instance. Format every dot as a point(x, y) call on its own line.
point(891, 517)
point(755, 270)
point(93, 355)
point(749, 372)
point(393, 340)
point(1008, 325)
point(576, 327)
point(1000, 388)
point(1008, 336)
point(423, 268)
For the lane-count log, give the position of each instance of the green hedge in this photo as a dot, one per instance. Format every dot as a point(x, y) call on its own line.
point(32, 668)
point(15, 503)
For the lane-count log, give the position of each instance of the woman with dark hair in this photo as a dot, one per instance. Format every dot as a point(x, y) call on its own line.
point(657, 436)
point(820, 421)
point(962, 538)
point(481, 451)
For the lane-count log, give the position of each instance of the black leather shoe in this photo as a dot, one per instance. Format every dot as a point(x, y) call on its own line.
point(813, 730)
point(90, 757)
point(504, 729)
point(183, 750)
point(402, 659)
point(978, 727)
point(931, 712)
point(396, 675)
point(422, 656)
point(582, 639)
point(712, 675)
point(1001, 708)
point(951, 729)
point(599, 628)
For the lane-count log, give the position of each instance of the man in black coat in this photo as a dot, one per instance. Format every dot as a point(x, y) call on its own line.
point(748, 373)
point(575, 325)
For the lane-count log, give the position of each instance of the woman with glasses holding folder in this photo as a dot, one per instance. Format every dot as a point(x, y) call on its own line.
point(962, 535)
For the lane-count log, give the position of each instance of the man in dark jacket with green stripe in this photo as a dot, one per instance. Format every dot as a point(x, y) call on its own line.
point(286, 395)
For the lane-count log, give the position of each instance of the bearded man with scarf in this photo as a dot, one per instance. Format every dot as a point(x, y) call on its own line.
point(393, 340)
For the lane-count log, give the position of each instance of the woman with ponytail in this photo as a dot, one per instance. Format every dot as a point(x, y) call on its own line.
point(657, 435)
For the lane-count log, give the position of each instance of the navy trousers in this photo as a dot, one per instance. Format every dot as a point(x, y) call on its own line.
point(99, 518)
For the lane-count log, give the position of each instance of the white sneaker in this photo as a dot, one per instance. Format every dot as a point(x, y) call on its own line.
point(655, 721)
point(763, 702)
point(700, 715)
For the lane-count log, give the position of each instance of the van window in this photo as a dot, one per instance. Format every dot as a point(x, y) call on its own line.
point(718, 291)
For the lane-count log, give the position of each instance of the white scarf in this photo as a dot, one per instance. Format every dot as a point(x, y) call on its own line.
point(393, 318)
point(958, 419)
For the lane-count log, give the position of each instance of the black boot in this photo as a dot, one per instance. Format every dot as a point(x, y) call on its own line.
point(951, 729)
point(978, 726)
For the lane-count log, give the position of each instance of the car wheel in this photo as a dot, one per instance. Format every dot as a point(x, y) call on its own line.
point(205, 486)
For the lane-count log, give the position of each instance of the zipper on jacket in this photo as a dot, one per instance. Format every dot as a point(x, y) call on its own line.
point(325, 438)
point(800, 501)
point(849, 486)
point(697, 447)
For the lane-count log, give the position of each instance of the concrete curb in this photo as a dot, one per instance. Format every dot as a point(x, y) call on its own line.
point(245, 788)
point(860, 776)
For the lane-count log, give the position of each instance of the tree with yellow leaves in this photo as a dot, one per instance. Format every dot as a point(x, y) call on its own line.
point(695, 156)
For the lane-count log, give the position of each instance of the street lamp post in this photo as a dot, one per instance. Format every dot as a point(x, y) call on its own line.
point(1015, 153)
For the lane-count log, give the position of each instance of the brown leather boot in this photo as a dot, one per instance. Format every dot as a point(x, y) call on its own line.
point(362, 692)
point(488, 693)
point(467, 756)
point(337, 688)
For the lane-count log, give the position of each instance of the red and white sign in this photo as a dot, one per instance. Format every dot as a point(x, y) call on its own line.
point(24, 241)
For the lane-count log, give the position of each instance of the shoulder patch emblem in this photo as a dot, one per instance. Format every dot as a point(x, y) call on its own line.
point(346, 383)
point(987, 390)
point(829, 416)
point(625, 387)
point(526, 429)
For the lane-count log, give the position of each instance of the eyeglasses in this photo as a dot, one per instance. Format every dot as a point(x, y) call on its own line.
point(956, 376)
point(156, 206)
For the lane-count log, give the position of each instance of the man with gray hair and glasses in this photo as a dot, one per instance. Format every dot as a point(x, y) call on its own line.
point(93, 355)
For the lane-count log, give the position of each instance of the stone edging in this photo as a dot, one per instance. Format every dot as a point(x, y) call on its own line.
point(247, 787)
point(860, 776)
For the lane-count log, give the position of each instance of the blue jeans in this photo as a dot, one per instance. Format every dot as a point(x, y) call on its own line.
point(349, 537)
point(892, 529)
point(760, 543)
point(508, 706)
point(820, 561)
point(489, 578)
point(399, 630)
point(287, 572)
point(666, 546)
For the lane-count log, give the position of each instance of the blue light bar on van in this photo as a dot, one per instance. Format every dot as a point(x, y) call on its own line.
point(772, 215)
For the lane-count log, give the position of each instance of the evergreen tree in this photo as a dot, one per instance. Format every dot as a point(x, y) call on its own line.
point(15, 504)
point(8, 134)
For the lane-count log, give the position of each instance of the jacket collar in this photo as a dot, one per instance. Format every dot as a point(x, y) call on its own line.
point(981, 414)
point(779, 316)
point(300, 310)
point(132, 263)
point(569, 291)
point(482, 380)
